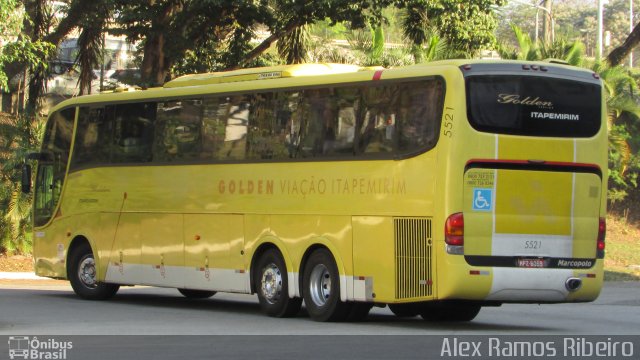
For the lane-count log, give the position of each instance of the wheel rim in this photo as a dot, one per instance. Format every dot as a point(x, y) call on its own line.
point(87, 272)
point(320, 284)
point(271, 283)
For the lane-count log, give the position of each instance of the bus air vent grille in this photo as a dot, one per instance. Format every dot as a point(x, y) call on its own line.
point(413, 249)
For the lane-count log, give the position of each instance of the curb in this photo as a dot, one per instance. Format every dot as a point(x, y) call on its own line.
point(20, 276)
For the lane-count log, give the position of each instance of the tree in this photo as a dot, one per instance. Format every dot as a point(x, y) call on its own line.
point(171, 30)
point(20, 134)
point(618, 54)
point(90, 42)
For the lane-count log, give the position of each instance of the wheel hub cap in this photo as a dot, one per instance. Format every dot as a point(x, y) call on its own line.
point(271, 283)
point(320, 285)
point(87, 272)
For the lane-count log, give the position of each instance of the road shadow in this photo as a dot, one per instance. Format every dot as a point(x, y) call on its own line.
point(250, 307)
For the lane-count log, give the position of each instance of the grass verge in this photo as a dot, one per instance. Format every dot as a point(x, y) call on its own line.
point(622, 257)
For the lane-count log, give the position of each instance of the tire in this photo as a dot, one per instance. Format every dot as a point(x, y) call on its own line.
point(321, 288)
point(82, 275)
point(404, 310)
point(358, 311)
point(450, 312)
point(196, 294)
point(272, 286)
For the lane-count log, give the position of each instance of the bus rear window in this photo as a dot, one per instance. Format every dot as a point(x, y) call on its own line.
point(533, 106)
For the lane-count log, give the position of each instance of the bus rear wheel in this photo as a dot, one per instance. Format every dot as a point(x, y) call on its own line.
point(83, 276)
point(272, 286)
point(453, 312)
point(196, 294)
point(321, 284)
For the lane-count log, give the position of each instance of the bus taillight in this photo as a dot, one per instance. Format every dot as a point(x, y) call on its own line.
point(602, 231)
point(454, 234)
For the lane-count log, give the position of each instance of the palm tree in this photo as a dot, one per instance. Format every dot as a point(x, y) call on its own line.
point(294, 46)
point(18, 136)
point(622, 104)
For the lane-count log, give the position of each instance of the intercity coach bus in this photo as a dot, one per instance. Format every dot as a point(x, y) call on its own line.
point(435, 189)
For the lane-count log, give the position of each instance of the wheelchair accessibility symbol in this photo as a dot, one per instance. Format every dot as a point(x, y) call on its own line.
point(482, 199)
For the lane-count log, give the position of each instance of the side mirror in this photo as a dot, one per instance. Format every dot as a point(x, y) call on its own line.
point(26, 178)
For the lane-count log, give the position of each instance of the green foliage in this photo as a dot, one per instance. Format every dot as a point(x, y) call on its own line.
point(572, 52)
point(377, 46)
point(19, 135)
point(25, 51)
point(293, 47)
point(468, 25)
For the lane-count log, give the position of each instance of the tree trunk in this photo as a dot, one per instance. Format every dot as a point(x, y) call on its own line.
point(266, 44)
point(155, 65)
point(547, 19)
point(618, 54)
point(154, 69)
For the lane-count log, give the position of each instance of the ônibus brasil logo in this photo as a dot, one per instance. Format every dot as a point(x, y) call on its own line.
point(32, 348)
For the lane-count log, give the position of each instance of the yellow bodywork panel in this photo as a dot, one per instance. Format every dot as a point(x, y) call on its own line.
point(373, 255)
point(534, 202)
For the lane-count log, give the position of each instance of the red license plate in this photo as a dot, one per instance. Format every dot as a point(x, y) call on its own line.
point(531, 263)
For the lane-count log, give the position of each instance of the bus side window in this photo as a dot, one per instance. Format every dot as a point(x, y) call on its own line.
point(133, 133)
point(270, 117)
point(93, 135)
point(214, 112)
point(344, 125)
point(315, 122)
point(178, 130)
point(51, 171)
point(419, 111)
point(234, 113)
point(376, 120)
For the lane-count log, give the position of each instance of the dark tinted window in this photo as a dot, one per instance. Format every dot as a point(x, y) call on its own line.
point(533, 106)
point(133, 132)
point(384, 119)
point(94, 136)
point(178, 129)
point(56, 147)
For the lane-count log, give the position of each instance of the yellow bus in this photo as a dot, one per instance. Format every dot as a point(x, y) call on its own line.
point(435, 189)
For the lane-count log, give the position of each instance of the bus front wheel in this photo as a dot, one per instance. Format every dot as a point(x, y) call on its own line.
point(272, 286)
point(83, 277)
point(322, 288)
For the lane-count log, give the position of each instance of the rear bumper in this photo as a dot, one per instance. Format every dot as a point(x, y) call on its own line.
point(519, 285)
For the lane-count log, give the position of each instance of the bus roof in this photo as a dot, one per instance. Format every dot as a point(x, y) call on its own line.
point(230, 81)
point(262, 73)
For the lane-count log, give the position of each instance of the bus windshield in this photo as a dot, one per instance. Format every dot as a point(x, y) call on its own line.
point(533, 106)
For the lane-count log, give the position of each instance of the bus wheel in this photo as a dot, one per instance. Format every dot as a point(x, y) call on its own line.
point(196, 294)
point(82, 276)
point(404, 310)
point(272, 286)
point(450, 312)
point(322, 288)
point(358, 311)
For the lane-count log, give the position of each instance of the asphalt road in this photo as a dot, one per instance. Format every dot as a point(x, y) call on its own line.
point(55, 311)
